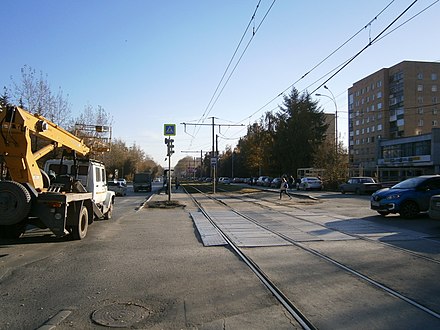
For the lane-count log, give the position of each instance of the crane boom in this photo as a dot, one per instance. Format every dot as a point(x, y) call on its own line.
point(16, 127)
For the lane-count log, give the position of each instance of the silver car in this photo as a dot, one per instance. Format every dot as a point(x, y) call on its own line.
point(118, 187)
point(309, 183)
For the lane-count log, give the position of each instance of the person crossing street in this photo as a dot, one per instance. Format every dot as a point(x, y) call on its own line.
point(283, 188)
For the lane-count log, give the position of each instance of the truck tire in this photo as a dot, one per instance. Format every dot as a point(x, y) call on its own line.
point(79, 231)
point(15, 202)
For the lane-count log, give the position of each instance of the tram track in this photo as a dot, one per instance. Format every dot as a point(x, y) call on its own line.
point(297, 314)
point(409, 252)
point(287, 304)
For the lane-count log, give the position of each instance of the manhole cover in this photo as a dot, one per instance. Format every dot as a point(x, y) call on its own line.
point(120, 315)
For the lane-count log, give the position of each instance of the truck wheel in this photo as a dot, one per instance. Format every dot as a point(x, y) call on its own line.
point(79, 231)
point(109, 213)
point(15, 202)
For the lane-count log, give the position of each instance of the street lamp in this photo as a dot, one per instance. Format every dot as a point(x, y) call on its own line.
point(332, 97)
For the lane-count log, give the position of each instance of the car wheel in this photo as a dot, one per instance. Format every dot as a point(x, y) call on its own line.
point(409, 209)
point(383, 213)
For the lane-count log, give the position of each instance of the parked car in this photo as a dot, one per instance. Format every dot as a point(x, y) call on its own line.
point(407, 198)
point(262, 180)
point(276, 183)
point(309, 183)
point(118, 187)
point(360, 185)
point(123, 181)
point(267, 182)
point(434, 207)
point(224, 180)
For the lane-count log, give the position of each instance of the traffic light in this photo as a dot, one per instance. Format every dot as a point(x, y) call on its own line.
point(170, 146)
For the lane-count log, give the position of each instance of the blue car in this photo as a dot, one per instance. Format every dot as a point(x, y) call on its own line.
point(408, 198)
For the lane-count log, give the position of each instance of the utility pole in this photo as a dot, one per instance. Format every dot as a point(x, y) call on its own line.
point(213, 154)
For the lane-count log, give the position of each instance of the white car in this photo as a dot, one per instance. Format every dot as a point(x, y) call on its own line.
point(118, 187)
point(224, 180)
point(309, 183)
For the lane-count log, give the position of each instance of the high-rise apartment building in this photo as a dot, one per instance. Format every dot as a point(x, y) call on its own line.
point(391, 104)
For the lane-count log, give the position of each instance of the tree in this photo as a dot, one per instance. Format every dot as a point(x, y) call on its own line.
point(34, 93)
point(300, 131)
point(4, 99)
point(334, 163)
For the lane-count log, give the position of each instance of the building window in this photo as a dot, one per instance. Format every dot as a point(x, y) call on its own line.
point(420, 88)
point(433, 76)
point(379, 95)
point(434, 111)
point(357, 132)
point(434, 99)
point(420, 99)
point(379, 106)
point(420, 111)
point(434, 88)
point(420, 123)
point(434, 123)
point(420, 76)
point(379, 127)
point(379, 83)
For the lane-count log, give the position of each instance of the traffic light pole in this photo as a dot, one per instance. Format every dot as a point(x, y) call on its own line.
point(169, 142)
point(169, 177)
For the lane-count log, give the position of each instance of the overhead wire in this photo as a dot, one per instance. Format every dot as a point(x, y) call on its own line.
point(319, 63)
point(254, 32)
point(341, 66)
point(203, 117)
point(365, 47)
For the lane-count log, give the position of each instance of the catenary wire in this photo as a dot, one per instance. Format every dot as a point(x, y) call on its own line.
point(320, 63)
point(255, 30)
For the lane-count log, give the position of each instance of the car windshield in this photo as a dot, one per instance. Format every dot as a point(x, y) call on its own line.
point(409, 183)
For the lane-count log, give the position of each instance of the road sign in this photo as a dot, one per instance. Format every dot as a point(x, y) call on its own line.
point(169, 129)
point(213, 161)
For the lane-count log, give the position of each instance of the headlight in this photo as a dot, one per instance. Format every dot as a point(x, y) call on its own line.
point(395, 196)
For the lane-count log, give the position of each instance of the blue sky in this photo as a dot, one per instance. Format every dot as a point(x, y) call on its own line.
point(149, 63)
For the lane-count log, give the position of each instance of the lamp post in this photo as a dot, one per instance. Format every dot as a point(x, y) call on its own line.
point(332, 97)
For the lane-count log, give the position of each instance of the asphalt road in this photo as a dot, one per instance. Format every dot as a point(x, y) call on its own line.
point(147, 269)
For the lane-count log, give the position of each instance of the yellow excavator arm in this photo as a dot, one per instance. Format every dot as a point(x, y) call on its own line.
point(16, 128)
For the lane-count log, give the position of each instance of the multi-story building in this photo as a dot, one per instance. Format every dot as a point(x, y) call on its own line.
point(399, 103)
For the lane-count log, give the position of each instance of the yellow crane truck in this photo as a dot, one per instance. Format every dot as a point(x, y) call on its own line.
point(65, 197)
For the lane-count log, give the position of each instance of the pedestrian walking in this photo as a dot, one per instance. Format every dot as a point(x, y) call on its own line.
point(283, 188)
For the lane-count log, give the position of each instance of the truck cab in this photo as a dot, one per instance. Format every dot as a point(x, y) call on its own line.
point(90, 173)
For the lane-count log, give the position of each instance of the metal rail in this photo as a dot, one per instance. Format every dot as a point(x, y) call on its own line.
point(318, 254)
point(287, 304)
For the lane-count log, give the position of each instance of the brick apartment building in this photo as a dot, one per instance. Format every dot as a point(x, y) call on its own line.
point(394, 122)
